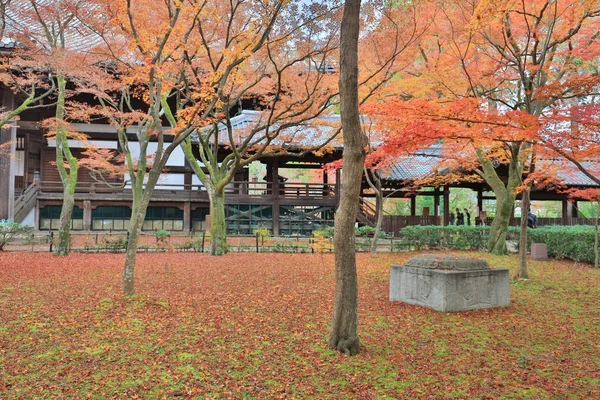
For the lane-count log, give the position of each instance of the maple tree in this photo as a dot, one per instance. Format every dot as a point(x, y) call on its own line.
point(344, 324)
point(576, 135)
point(488, 78)
point(294, 88)
point(146, 51)
point(50, 33)
point(209, 56)
point(398, 29)
point(25, 75)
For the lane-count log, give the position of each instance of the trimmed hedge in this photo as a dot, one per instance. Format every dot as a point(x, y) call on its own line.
point(446, 237)
point(571, 242)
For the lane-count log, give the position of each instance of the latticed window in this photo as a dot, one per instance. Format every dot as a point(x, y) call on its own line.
point(198, 217)
point(242, 219)
point(167, 218)
point(50, 218)
point(111, 218)
point(302, 220)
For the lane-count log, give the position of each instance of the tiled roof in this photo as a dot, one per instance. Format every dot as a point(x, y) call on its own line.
point(314, 134)
point(419, 165)
point(7, 44)
point(424, 163)
point(78, 37)
point(569, 174)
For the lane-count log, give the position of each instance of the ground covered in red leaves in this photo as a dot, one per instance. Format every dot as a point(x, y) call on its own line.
point(255, 326)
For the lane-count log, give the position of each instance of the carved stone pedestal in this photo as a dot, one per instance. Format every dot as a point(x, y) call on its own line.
point(449, 283)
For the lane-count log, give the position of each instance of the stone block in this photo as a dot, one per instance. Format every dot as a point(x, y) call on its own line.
point(449, 289)
point(539, 251)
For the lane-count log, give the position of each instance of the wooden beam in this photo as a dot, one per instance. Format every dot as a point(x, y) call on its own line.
point(275, 189)
point(446, 205)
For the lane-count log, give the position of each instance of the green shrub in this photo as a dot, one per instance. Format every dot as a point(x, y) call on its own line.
point(114, 244)
point(262, 232)
point(572, 242)
point(445, 237)
point(326, 232)
point(10, 231)
point(368, 231)
point(161, 234)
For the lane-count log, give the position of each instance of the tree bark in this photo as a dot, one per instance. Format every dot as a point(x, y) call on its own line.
point(68, 177)
point(344, 324)
point(135, 227)
point(218, 226)
point(522, 273)
point(138, 214)
point(63, 243)
point(499, 227)
point(596, 250)
point(379, 211)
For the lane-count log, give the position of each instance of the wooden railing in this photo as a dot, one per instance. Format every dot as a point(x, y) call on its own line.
point(313, 190)
point(367, 214)
point(25, 202)
point(394, 223)
point(235, 189)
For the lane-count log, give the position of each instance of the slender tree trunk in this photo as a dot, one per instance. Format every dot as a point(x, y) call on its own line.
point(522, 273)
point(68, 177)
point(63, 243)
point(379, 211)
point(138, 214)
point(596, 250)
point(218, 226)
point(499, 227)
point(344, 324)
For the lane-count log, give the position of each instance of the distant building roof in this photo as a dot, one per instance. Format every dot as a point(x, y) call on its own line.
point(310, 134)
point(421, 164)
point(569, 174)
point(77, 36)
point(424, 163)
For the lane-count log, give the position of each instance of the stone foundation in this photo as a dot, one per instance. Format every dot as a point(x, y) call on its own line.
point(449, 289)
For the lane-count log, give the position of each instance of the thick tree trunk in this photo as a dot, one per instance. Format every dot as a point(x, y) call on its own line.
point(499, 227)
point(63, 243)
point(218, 226)
point(522, 273)
point(344, 324)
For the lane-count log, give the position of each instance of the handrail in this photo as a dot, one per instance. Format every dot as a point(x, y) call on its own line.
point(25, 202)
point(234, 188)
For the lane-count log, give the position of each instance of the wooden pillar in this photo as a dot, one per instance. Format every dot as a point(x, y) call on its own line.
point(8, 134)
point(338, 186)
point(87, 215)
point(187, 216)
point(572, 207)
point(564, 212)
point(436, 202)
point(446, 206)
point(413, 205)
point(187, 180)
point(276, 194)
point(479, 201)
